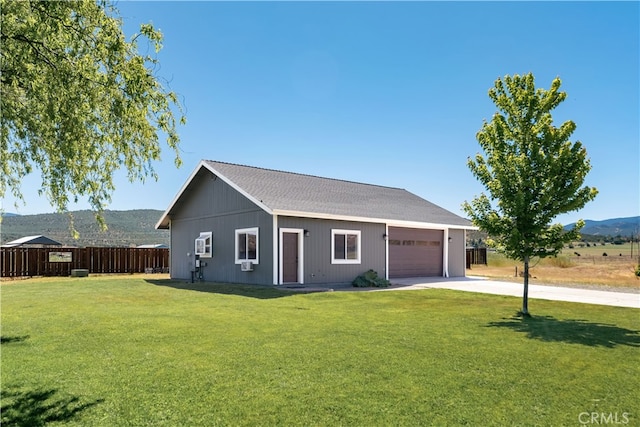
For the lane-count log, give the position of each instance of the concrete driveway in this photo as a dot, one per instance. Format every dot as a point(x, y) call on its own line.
point(556, 293)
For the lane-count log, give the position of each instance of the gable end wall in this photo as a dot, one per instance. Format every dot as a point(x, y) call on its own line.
point(209, 204)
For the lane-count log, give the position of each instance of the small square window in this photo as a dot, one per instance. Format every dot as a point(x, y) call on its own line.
point(345, 246)
point(204, 245)
point(247, 245)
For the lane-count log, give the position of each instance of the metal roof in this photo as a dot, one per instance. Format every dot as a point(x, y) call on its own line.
point(294, 194)
point(32, 240)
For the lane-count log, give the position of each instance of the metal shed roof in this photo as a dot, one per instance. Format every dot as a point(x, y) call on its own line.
point(32, 240)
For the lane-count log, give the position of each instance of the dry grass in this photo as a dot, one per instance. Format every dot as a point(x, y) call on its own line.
point(610, 271)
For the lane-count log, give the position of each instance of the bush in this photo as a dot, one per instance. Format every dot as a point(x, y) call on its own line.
point(370, 279)
point(638, 270)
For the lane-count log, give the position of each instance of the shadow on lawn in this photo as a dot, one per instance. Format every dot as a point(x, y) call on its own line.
point(6, 339)
point(251, 291)
point(548, 328)
point(38, 407)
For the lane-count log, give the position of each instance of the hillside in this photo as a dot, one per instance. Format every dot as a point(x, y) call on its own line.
point(136, 227)
point(125, 228)
point(593, 231)
point(624, 227)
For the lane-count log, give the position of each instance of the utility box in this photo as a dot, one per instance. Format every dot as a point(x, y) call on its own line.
point(80, 272)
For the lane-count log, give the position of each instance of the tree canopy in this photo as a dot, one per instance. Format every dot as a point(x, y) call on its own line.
point(79, 101)
point(531, 171)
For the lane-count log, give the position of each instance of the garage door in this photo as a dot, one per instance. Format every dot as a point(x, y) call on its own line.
point(415, 252)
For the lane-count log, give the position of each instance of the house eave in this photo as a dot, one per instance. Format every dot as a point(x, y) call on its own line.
point(387, 221)
point(165, 219)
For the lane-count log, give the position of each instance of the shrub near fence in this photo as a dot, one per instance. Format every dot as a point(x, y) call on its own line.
point(27, 262)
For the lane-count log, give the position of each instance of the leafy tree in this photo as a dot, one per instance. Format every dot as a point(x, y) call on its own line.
point(79, 101)
point(531, 172)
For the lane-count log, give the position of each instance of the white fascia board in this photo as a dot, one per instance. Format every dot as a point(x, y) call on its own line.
point(429, 225)
point(238, 189)
point(206, 165)
point(389, 222)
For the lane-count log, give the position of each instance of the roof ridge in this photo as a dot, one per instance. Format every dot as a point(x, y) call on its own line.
point(307, 175)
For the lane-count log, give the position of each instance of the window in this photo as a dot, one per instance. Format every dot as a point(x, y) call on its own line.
point(345, 246)
point(203, 245)
point(247, 245)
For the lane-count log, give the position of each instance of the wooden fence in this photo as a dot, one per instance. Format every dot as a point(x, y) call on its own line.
point(476, 256)
point(21, 261)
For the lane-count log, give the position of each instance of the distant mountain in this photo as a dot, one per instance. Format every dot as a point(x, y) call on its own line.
point(611, 227)
point(8, 214)
point(125, 228)
point(592, 231)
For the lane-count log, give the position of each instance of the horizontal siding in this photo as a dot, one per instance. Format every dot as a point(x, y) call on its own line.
point(317, 249)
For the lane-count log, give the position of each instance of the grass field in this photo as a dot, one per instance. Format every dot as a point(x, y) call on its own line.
point(617, 269)
point(138, 351)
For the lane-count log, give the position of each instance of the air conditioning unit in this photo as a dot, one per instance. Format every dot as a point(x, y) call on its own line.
point(246, 266)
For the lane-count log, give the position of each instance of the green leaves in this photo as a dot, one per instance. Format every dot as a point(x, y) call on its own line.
point(530, 169)
point(79, 101)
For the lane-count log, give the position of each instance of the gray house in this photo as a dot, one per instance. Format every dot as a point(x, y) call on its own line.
point(260, 226)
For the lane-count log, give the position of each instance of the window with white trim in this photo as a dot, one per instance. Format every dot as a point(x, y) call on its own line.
point(247, 245)
point(203, 245)
point(345, 246)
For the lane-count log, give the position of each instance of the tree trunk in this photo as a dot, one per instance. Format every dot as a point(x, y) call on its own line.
point(525, 296)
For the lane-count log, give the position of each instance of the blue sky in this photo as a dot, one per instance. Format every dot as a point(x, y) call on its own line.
point(384, 92)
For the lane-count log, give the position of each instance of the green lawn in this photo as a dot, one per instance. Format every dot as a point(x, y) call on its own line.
point(124, 351)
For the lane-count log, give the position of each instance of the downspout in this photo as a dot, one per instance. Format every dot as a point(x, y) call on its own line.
point(274, 239)
point(445, 254)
